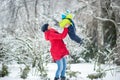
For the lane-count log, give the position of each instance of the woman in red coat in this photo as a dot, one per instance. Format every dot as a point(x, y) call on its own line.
point(58, 48)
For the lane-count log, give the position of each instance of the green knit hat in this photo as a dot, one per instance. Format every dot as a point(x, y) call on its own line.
point(70, 16)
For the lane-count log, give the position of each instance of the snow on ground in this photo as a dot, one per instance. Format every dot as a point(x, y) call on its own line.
point(84, 68)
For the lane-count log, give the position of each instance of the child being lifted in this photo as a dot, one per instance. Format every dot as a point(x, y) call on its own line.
point(67, 19)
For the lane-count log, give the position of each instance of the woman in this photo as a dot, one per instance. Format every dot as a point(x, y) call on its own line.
point(58, 48)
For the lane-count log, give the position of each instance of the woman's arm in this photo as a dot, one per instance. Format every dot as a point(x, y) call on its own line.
point(58, 35)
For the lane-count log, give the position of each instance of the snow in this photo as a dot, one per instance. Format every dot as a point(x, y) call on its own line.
point(83, 68)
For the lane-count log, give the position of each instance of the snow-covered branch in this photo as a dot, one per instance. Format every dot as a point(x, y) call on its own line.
point(114, 6)
point(25, 43)
point(104, 19)
point(118, 23)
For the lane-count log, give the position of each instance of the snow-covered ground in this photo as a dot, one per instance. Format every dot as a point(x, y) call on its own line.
point(84, 68)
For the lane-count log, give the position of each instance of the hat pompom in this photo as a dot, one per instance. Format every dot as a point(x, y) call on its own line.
point(68, 11)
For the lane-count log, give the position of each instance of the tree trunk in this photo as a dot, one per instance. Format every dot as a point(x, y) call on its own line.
point(109, 29)
point(116, 9)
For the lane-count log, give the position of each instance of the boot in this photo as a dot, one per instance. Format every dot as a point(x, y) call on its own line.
point(63, 78)
point(56, 78)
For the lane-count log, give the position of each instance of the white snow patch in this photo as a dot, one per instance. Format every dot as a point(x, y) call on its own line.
point(84, 68)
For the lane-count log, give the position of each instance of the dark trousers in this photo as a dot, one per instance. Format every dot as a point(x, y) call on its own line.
point(72, 34)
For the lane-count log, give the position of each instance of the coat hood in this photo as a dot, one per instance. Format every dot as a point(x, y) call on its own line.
point(47, 33)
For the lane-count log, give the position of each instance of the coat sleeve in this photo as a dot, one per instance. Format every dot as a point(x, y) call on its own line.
point(58, 35)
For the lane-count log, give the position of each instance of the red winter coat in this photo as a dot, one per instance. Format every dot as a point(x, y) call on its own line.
point(58, 48)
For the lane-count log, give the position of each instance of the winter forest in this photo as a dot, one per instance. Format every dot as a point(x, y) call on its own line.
point(25, 54)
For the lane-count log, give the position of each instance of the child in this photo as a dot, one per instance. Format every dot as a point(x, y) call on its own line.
point(58, 48)
point(67, 19)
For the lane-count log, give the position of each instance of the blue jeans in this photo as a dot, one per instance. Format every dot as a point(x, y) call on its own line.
point(61, 64)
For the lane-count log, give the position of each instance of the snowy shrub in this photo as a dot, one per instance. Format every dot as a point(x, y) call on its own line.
point(96, 75)
point(71, 73)
point(74, 59)
point(93, 53)
point(89, 52)
point(104, 55)
point(7, 56)
point(33, 56)
point(25, 72)
point(75, 52)
point(4, 71)
point(42, 70)
point(3, 53)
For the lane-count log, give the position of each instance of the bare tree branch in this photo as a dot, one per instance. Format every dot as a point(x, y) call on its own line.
point(27, 11)
point(17, 12)
point(36, 2)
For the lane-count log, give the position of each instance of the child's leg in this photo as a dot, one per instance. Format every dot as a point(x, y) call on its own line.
point(73, 36)
point(59, 69)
